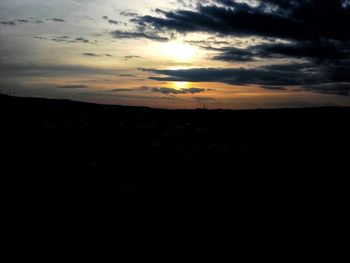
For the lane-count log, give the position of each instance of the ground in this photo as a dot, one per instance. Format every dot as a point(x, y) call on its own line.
point(83, 172)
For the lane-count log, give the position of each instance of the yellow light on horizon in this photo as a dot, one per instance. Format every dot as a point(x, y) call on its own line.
point(180, 84)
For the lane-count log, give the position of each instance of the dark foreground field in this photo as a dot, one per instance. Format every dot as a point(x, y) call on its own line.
point(80, 175)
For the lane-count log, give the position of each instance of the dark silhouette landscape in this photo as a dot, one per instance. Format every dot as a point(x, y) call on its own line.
point(79, 172)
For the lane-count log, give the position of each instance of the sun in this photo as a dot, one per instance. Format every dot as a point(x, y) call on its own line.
point(180, 85)
point(179, 51)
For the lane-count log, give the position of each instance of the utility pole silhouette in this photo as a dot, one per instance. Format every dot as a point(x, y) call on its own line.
point(12, 92)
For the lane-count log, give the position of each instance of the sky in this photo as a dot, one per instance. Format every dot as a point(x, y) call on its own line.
point(229, 54)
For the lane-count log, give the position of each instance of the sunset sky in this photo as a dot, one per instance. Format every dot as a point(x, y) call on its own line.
point(178, 54)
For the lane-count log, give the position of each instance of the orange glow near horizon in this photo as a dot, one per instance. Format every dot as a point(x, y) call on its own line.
point(180, 85)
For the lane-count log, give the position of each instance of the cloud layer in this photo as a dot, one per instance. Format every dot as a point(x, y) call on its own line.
point(311, 34)
point(254, 50)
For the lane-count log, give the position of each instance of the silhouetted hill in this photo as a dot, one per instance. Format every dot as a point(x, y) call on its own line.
point(82, 172)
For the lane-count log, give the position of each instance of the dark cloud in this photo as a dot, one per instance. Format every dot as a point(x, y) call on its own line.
point(306, 75)
point(130, 57)
point(242, 20)
point(144, 88)
point(14, 70)
point(21, 21)
point(89, 54)
point(60, 20)
point(73, 87)
point(67, 39)
point(128, 13)
point(111, 21)
point(161, 90)
point(233, 54)
point(267, 76)
point(274, 87)
point(296, 20)
point(342, 89)
point(41, 38)
point(39, 21)
point(137, 35)
point(177, 91)
point(81, 39)
point(117, 90)
point(315, 29)
point(320, 51)
point(126, 75)
point(61, 40)
point(208, 43)
point(8, 23)
point(121, 90)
